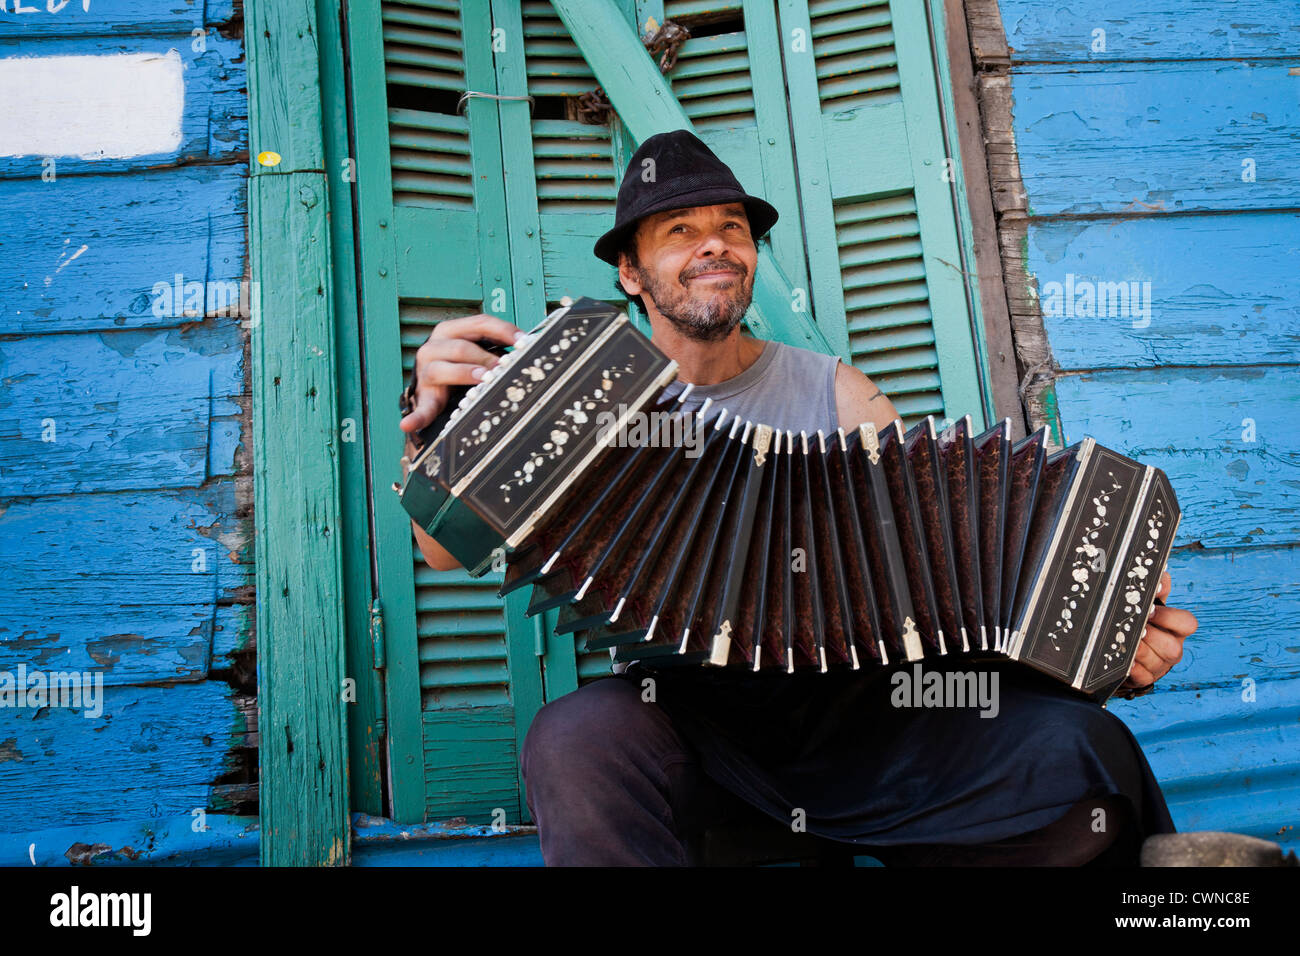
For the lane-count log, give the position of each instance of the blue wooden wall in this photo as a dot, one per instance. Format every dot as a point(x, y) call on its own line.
point(125, 484)
point(1164, 150)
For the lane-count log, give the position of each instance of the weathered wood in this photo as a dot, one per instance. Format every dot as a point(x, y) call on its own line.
point(214, 118)
point(213, 840)
point(119, 18)
point(153, 752)
point(1000, 142)
point(61, 556)
point(234, 639)
point(381, 842)
point(303, 749)
point(1226, 757)
point(1220, 290)
point(1246, 623)
point(284, 103)
point(377, 274)
point(1149, 30)
point(90, 250)
point(1157, 137)
point(567, 239)
point(988, 38)
point(1226, 437)
point(479, 746)
point(365, 718)
point(999, 345)
point(1107, 150)
point(141, 409)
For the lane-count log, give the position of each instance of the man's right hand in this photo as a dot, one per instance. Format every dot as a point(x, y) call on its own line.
point(449, 357)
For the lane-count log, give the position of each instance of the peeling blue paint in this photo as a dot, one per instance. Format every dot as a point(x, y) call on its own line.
point(1207, 385)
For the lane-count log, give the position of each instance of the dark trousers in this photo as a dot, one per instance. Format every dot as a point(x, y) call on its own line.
point(610, 782)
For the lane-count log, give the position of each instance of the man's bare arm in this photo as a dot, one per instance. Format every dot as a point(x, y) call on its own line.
point(450, 356)
point(438, 557)
point(858, 400)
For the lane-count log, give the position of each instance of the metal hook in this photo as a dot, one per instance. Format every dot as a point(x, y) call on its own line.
point(471, 94)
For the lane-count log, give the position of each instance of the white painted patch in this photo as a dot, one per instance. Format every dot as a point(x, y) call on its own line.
point(92, 107)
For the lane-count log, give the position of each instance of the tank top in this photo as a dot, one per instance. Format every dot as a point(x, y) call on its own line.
point(787, 387)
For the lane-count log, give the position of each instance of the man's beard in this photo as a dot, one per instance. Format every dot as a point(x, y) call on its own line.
point(708, 321)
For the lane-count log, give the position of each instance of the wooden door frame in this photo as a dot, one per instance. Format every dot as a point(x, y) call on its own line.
point(977, 217)
point(301, 631)
point(301, 626)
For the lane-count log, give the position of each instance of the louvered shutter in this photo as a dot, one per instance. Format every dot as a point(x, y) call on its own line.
point(878, 213)
point(562, 174)
point(461, 684)
point(499, 205)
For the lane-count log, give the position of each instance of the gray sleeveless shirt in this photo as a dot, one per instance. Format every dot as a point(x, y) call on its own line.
point(786, 387)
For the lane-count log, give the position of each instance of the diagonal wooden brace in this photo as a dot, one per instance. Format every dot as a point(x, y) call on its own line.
point(646, 105)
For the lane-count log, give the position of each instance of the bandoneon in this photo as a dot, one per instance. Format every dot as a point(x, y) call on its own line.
point(697, 537)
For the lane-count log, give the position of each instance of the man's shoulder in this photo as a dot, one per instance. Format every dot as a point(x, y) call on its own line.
point(799, 354)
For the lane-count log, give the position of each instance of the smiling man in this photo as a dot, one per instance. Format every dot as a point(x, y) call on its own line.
point(631, 769)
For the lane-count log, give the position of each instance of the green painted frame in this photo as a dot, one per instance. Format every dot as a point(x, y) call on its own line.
point(301, 631)
point(941, 56)
point(300, 226)
point(367, 726)
point(376, 262)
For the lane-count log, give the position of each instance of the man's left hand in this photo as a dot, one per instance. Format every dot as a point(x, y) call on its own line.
point(1162, 643)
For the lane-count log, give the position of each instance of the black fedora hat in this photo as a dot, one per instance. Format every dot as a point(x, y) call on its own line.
point(685, 173)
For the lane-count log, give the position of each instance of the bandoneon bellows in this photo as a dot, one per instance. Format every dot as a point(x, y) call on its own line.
point(697, 537)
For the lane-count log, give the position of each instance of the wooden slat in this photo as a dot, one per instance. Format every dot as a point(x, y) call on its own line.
point(1193, 424)
point(1226, 760)
point(154, 751)
point(66, 601)
point(686, 9)
point(196, 214)
point(120, 410)
point(1039, 30)
point(1222, 289)
point(120, 18)
point(456, 126)
point(433, 19)
point(214, 115)
point(301, 631)
point(1103, 138)
point(433, 46)
point(1245, 618)
point(470, 765)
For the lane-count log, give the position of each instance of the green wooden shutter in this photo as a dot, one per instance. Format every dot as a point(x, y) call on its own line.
point(562, 175)
point(461, 684)
point(878, 213)
point(499, 205)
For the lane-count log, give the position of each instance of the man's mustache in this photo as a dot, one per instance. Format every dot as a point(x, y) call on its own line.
point(738, 268)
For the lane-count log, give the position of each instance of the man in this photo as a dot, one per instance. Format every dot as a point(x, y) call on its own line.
point(628, 770)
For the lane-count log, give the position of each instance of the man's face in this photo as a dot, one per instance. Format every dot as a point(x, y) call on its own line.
point(696, 266)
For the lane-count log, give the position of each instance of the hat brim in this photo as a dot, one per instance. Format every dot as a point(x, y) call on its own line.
point(762, 217)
